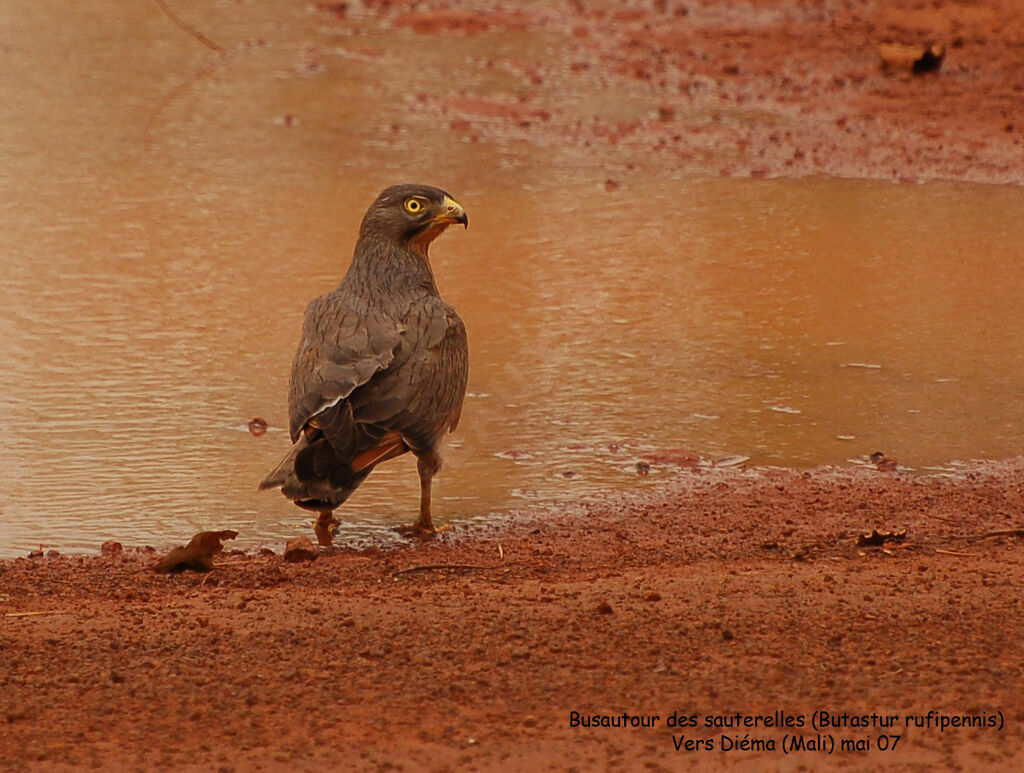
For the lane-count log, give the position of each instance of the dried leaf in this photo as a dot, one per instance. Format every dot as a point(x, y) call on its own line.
point(198, 555)
point(878, 538)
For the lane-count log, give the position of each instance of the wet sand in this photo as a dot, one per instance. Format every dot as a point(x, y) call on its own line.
point(728, 591)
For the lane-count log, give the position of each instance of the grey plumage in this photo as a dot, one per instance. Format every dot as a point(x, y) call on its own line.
point(382, 364)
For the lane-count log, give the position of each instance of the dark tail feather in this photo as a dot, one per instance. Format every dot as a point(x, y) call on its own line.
point(285, 468)
point(313, 477)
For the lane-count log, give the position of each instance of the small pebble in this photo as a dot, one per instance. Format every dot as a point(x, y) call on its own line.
point(111, 548)
point(299, 549)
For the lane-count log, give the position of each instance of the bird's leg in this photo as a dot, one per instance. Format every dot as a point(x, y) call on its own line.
point(325, 527)
point(428, 464)
point(424, 522)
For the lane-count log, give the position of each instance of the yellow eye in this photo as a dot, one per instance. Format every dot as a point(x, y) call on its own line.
point(413, 206)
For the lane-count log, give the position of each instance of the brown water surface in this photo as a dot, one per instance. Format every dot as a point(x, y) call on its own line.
point(163, 226)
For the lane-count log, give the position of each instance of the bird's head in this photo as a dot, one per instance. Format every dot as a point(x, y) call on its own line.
point(412, 214)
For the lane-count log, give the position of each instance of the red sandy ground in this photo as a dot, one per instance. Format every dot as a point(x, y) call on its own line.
point(728, 592)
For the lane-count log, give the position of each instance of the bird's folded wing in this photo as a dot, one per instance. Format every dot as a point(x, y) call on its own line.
point(421, 394)
point(338, 353)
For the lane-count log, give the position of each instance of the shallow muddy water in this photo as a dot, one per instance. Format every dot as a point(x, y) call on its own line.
point(164, 225)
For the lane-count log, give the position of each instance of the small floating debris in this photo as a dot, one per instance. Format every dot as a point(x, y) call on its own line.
point(258, 427)
point(883, 462)
point(730, 461)
point(785, 409)
point(705, 416)
point(846, 437)
point(865, 365)
point(514, 454)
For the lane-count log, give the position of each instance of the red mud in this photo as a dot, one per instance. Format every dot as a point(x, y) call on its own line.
point(730, 591)
point(766, 88)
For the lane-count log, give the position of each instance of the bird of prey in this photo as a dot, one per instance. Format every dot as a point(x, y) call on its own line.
point(382, 364)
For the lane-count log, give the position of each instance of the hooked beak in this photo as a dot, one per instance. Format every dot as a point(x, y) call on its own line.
point(452, 212)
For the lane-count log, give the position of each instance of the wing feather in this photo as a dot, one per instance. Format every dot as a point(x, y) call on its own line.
point(340, 350)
